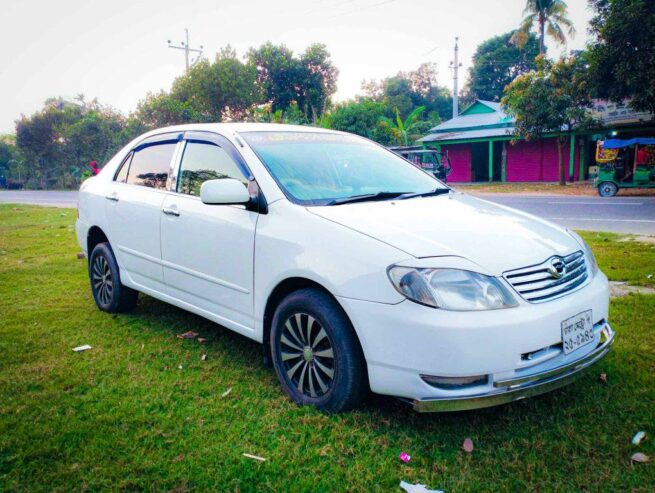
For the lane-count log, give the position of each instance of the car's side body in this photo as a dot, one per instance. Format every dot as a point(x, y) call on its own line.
point(233, 263)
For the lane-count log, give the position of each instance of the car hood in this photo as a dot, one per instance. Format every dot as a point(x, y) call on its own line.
point(495, 237)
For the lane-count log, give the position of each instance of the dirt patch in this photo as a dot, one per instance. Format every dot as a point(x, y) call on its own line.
point(639, 239)
point(619, 289)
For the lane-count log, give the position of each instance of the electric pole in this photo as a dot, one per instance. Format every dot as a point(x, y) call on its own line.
point(184, 45)
point(455, 66)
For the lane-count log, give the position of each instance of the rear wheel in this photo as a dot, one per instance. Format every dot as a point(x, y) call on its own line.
point(108, 292)
point(316, 353)
point(607, 189)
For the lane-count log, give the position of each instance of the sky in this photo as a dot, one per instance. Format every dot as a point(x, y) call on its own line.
point(117, 51)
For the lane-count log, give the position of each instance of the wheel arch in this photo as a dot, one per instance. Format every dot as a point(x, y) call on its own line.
point(281, 291)
point(94, 237)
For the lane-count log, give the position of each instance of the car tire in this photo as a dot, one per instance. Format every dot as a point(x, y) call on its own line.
point(316, 353)
point(109, 293)
point(608, 189)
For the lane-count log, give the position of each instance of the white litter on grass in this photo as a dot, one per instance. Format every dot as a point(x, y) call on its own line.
point(639, 436)
point(254, 457)
point(417, 488)
point(79, 349)
point(227, 392)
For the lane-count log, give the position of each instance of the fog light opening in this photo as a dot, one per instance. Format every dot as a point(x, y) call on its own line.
point(452, 383)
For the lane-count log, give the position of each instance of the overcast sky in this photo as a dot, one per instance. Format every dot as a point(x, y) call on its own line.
point(116, 50)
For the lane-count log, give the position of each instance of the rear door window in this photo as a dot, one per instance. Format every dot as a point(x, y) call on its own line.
point(150, 165)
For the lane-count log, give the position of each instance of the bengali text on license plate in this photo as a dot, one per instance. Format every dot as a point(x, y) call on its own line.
point(577, 331)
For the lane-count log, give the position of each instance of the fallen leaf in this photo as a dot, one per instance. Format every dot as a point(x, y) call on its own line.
point(201, 340)
point(178, 458)
point(639, 436)
point(254, 457)
point(188, 335)
point(639, 457)
point(81, 255)
point(603, 377)
point(468, 446)
point(227, 392)
point(325, 451)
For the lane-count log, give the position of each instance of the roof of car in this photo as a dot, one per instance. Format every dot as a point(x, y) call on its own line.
point(242, 127)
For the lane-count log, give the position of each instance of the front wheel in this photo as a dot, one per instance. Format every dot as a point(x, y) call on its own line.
point(108, 292)
point(316, 353)
point(607, 189)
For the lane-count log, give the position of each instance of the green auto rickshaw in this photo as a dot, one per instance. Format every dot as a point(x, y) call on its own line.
point(429, 160)
point(625, 163)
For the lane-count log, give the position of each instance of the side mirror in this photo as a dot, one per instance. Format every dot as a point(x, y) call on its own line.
point(225, 191)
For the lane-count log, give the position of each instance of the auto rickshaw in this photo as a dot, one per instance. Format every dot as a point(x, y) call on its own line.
point(430, 160)
point(625, 163)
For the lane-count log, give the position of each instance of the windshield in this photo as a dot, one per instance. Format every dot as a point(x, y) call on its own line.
point(321, 168)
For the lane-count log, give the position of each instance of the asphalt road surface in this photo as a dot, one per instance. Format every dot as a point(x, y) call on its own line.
point(617, 214)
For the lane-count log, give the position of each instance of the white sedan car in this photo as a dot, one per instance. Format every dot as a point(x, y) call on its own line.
point(354, 269)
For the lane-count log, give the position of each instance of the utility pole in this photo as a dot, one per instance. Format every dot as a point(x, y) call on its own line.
point(455, 65)
point(184, 45)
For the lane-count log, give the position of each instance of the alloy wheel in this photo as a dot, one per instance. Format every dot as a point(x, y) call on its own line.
point(307, 355)
point(103, 283)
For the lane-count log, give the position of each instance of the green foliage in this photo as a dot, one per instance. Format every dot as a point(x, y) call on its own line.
point(551, 17)
point(402, 129)
point(550, 100)
point(309, 80)
point(621, 57)
point(497, 62)
point(60, 141)
point(365, 118)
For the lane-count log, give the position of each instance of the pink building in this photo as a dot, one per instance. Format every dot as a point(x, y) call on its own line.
point(481, 147)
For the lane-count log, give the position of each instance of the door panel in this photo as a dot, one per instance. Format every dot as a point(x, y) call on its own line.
point(134, 231)
point(207, 254)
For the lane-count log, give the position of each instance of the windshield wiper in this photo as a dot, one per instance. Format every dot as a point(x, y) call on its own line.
point(431, 193)
point(367, 197)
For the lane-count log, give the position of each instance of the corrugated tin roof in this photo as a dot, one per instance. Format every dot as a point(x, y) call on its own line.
point(468, 134)
point(496, 119)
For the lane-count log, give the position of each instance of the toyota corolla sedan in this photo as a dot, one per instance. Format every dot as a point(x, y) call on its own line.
point(356, 270)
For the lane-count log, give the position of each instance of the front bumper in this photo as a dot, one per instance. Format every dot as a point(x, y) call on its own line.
point(519, 388)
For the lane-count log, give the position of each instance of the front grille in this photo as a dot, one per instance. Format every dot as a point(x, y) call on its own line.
point(548, 280)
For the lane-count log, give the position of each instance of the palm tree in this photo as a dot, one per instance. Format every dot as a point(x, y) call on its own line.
point(552, 18)
point(400, 129)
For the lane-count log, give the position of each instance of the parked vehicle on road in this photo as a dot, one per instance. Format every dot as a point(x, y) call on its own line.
point(625, 163)
point(430, 160)
point(353, 268)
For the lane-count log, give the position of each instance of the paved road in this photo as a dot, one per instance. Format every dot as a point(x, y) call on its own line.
point(618, 214)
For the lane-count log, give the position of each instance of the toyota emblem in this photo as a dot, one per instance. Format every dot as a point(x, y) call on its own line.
point(557, 268)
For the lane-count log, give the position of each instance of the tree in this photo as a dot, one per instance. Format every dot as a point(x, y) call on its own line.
point(402, 129)
point(550, 100)
point(309, 80)
point(406, 91)
point(621, 57)
point(497, 62)
point(551, 17)
point(364, 117)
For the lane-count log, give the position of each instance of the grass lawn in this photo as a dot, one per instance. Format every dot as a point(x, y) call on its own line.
point(576, 188)
point(142, 411)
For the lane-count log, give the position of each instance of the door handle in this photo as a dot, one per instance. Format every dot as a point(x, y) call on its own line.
point(113, 196)
point(171, 211)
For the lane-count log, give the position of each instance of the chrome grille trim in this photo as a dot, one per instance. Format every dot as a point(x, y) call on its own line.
point(537, 284)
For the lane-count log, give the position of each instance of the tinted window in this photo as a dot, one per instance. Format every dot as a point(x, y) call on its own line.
point(121, 176)
point(203, 161)
point(150, 165)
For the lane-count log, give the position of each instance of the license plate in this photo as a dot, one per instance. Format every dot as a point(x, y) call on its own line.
point(577, 331)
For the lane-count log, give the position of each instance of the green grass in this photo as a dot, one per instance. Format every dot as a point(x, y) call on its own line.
point(124, 416)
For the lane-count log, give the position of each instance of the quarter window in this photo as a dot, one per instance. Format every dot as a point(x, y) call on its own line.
point(121, 176)
point(204, 161)
point(150, 165)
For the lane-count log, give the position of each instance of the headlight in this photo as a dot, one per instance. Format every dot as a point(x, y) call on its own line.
point(451, 289)
point(593, 266)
